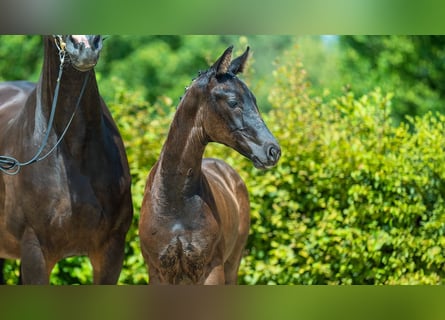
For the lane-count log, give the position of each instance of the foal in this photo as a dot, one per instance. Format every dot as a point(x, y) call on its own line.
point(195, 213)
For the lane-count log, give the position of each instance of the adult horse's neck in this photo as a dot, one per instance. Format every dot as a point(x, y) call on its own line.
point(89, 113)
point(181, 156)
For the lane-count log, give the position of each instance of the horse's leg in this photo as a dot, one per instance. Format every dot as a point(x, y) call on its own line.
point(20, 280)
point(232, 263)
point(153, 277)
point(107, 261)
point(216, 276)
point(2, 277)
point(231, 266)
point(33, 264)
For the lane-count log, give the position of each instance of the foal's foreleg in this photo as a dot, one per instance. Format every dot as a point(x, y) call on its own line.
point(232, 264)
point(231, 269)
point(216, 276)
point(107, 261)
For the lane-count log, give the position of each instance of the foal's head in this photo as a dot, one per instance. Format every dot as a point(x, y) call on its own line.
point(83, 50)
point(231, 115)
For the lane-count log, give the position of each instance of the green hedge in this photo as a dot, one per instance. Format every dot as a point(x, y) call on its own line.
point(354, 199)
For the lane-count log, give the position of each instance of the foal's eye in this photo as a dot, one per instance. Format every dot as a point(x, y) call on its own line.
point(233, 103)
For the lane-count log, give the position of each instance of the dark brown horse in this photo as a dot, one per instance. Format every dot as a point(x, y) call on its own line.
point(65, 185)
point(195, 213)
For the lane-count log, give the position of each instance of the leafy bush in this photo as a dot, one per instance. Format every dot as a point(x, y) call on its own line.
point(354, 199)
point(154, 66)
point(20, 57)
point(409, 66)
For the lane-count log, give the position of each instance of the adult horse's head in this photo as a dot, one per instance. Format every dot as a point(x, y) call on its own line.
point(235, 118)
point(83, 50)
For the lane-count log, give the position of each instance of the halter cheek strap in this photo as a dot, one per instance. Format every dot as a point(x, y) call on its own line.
point(60, 44)
point(10, 165)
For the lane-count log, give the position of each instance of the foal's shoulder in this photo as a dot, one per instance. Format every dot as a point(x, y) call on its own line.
point(218, 171)
point(216, 166)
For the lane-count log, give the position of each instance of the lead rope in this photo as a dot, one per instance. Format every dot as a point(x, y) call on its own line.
point(11, 166)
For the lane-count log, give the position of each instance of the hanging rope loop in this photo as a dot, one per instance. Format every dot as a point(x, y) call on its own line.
point(10, 165)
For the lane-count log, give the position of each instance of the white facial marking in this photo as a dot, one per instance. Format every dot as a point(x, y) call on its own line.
point(81, 39)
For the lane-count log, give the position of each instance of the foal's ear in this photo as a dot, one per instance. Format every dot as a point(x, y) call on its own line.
point(221, 66)
point(238, 65)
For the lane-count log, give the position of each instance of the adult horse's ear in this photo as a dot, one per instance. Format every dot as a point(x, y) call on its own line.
point(238, 65)
point(221, 66)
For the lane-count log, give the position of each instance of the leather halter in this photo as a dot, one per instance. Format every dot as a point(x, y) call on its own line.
point(10, 165)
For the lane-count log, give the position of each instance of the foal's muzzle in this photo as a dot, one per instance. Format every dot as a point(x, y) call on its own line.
point(273, 154)
point(265, 157)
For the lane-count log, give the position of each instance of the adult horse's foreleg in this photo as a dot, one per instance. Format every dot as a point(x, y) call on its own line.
point(34, 267)
point(2, 278)
point(107, 261)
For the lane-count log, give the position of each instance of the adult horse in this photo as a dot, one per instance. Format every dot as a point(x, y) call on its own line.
point(65, 182)
point(195, 213)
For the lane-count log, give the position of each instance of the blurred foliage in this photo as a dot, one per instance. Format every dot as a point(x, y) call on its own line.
point(357, 197)
point(410, 66)
point(155, 65)
point(354, 199)
point(21, 58)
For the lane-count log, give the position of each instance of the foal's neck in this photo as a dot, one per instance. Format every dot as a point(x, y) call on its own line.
point(181, 156)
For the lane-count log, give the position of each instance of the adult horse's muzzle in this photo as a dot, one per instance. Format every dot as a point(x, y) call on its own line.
point(83, 50)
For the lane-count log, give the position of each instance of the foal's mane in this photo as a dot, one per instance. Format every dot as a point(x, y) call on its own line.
point(204, 77)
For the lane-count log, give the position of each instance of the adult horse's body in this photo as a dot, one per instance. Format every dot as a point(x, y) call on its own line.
point(195, 213)
point(75, 199)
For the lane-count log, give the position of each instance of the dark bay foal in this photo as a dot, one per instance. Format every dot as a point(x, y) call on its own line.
point(65, 182)
point(195, 213)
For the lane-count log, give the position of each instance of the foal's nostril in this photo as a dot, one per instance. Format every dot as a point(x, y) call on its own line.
point(274, 153)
